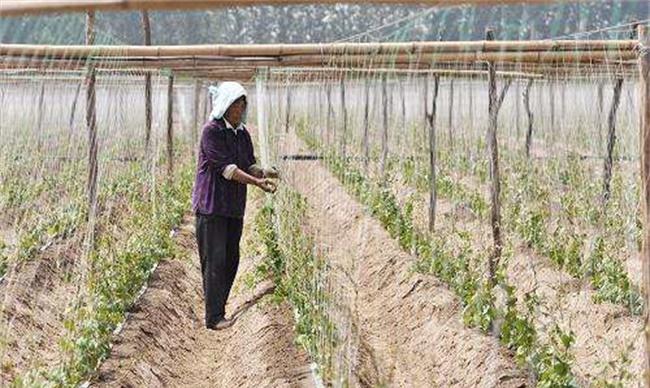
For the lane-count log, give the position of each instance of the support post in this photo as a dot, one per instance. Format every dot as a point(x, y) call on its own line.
point(91, 119)
point(330, 112)
point(451, 115)
point(195, 112)
point(644, 96)
point(344, 111)
point(73, 109)
point(384, 132)
point(170, 127)
point(366, 125)
point(431, 121)
point(494, 102)
point(287, 119)
point(39, 115)
point(611, 140)
point(146, 26)
point(529, 114)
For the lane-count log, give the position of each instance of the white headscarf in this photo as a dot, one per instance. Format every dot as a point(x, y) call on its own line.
point(223, 96)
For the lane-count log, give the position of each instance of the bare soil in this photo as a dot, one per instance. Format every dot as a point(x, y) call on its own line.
point(410, 326)
point(165, 344)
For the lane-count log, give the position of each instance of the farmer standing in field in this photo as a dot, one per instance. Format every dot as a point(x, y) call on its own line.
point(226, 165)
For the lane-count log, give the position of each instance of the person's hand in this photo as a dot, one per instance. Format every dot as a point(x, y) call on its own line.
point(271, 172)
point(267, 185)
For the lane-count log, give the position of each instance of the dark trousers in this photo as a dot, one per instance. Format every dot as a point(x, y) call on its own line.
point(218, 241)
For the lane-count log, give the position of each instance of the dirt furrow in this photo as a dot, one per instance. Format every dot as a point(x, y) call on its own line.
point(410, 323)
point(164, 342)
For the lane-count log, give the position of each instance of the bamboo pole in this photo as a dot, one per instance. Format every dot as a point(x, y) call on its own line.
point(477, 50)
point(39, 114)
point(22, 7)
point(195, 111)
point(551, 103)
point(611, 133)
point(146, 29)
point(431, 121)
point(494, 104)
point(344, 112)
point(450, 124)
point(644, 94)
point(471, 105)
point(366, 125)
point(170, 127)
point(518, 111)
point(531, 118)
point(73, 111)
point(207, 106)
point(601, 110)
point(384, 133)
point(91, 120)
point(73, 108)
point(194, 65)
point(611, 140)
point(288, 110)
point(330, 112)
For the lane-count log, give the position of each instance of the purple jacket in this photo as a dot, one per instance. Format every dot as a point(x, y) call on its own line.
point(213, 194)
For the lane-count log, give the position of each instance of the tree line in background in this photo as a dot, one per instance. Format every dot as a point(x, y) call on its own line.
point(320, 23)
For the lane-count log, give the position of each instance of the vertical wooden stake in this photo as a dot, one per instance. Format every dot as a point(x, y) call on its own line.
point(384, 133)
point(146, 26)
point(287, 119)
point(403, 96)
point(207, 104)
point(366, 124)
point(518, 111)
point(644, 95)
point(431, 121)
point(601, 108)
point(611, 140)
point(39, 115)
point(493, 148)
point(529, 113)
point(91, 119)
point(195, 112)
point(330, 112)
point(425, 98)
point(471, 103)
point(551, 96)
point(451, 115)
point(344, 111)
point(170, 127)
point(73, 109)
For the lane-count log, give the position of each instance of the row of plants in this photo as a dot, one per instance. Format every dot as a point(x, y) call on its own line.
point(38, 212)
point(299, 274)
point(586, 239)
point(451, 257)
point(554, 206)
point(130, 238)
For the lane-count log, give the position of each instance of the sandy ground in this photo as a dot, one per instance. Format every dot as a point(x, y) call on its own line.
point(164, 342)
point(409, 325)
point(604, 332)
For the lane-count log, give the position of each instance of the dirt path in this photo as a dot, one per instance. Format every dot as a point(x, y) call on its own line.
point(410, 330)
point(164, 342)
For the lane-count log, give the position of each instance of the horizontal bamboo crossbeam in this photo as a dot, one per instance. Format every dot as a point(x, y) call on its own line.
point(584, 60)
point(441, 72)
point(25, 7)
point(329, 49)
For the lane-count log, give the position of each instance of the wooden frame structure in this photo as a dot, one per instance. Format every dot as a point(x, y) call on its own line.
point(242, 62)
